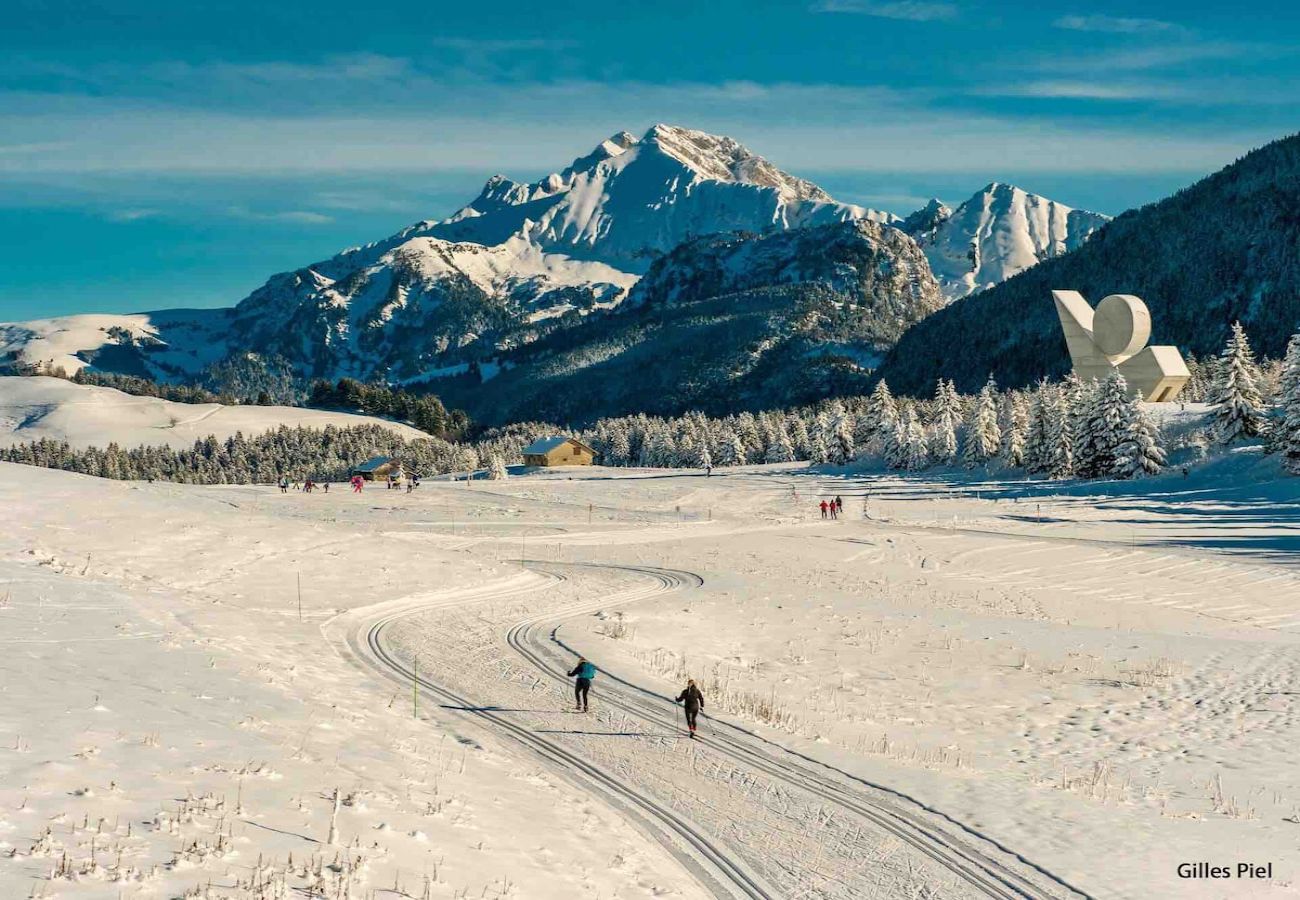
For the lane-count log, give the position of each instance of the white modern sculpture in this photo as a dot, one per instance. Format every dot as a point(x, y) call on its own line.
point(1113, 337)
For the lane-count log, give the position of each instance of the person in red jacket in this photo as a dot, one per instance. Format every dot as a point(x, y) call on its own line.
point(694, 702)
point(825, 506)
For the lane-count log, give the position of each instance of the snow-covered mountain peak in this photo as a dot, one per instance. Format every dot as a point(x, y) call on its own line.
point(926, 219)
point(721, 158)
point(632, 199)
point(1000, 231)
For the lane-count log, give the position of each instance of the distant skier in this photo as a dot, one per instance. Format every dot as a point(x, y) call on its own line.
point(357, 481)
point(326, 487)
point(694, 702)
point(825, 506)
point(834, 511)
point(839, 503)
point(284, 484)
point(584, 671)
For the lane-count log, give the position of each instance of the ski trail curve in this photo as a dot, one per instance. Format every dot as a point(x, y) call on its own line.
point(362, 639)
point(986, 866)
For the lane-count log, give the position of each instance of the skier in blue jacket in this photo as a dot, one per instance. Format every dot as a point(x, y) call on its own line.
point(584, 671)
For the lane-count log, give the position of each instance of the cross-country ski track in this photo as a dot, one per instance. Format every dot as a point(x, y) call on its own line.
point(983, 867)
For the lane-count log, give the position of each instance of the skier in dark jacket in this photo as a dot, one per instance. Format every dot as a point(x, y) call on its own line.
point(584, 671)
point(694, 702)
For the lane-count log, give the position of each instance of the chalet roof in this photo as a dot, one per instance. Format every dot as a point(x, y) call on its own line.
point(545, 445)
point(374, 463)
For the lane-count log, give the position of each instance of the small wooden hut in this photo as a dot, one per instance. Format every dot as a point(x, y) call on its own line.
point(559, 451)
point(379, 468)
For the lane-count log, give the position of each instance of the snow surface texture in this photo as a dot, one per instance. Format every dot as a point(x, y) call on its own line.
point(1099, 677)
point(998, 232)
point(32, 408)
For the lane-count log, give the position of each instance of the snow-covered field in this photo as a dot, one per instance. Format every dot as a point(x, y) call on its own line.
point(956, 689)
point(32, 408)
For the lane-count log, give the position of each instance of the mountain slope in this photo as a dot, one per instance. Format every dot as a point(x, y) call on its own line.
point(1224, 249)
point(998, 232)
point(631, 200)
point(441, 294)
point(91, 416)
point(721, 323)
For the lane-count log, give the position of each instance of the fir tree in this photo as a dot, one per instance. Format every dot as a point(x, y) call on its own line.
point(782, 448)
point(703, 456)
point(914, 455)
point(983, 434)
point(943, 441)
point(1287, 441)
point(733, 450)
point(1013, 443)
point(882, 414)
point(1105, 428)
point(1139, 452)
point(497, 468)
point(841, 442)
point(1239, 408)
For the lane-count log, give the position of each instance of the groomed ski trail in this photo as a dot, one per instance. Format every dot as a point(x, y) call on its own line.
point(991, 869)
point(709, 864)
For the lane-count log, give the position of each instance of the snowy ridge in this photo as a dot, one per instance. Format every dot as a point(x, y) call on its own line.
point(83, 415)
point(1000, 231)
point(631, 200)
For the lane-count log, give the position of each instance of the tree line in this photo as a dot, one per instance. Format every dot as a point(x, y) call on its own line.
point(1067, 429)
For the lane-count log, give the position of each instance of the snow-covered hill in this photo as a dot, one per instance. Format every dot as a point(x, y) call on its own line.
point(998, 232)
point(90, 416)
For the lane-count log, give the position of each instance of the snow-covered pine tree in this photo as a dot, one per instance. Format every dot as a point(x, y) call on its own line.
point(1105, 428)
point(1139, 452)
point(1287, 438)
point(841, 442)
point(497, 468)
point(915, 454)
point(947, 417)
point(799, 437)
point(895, 448)
point(1239, 408)
point(1037, 435)
point(781, 449)
point(703, 456)
point(733, 448)
point(882, 413)
point(1078, 398)
point(983, 434)
point(1013, 436)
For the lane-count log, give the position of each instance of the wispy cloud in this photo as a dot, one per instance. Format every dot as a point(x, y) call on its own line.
point(134, 214)
point(502, 45)
point(1084, 90)
point(905, 10)
point(1117, 25)
point(297, 216)
point(29, 149)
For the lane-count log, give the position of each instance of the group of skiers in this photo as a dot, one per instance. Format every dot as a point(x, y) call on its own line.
point(832, 508)
point(305, 486)
point(357, 482)
point(691, 698)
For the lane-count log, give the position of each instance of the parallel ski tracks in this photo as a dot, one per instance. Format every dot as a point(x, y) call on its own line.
point(709, 863)
point(983, 868)
point(537, 638)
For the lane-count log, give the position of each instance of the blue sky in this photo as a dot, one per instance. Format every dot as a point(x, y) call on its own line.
point(154, 156)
